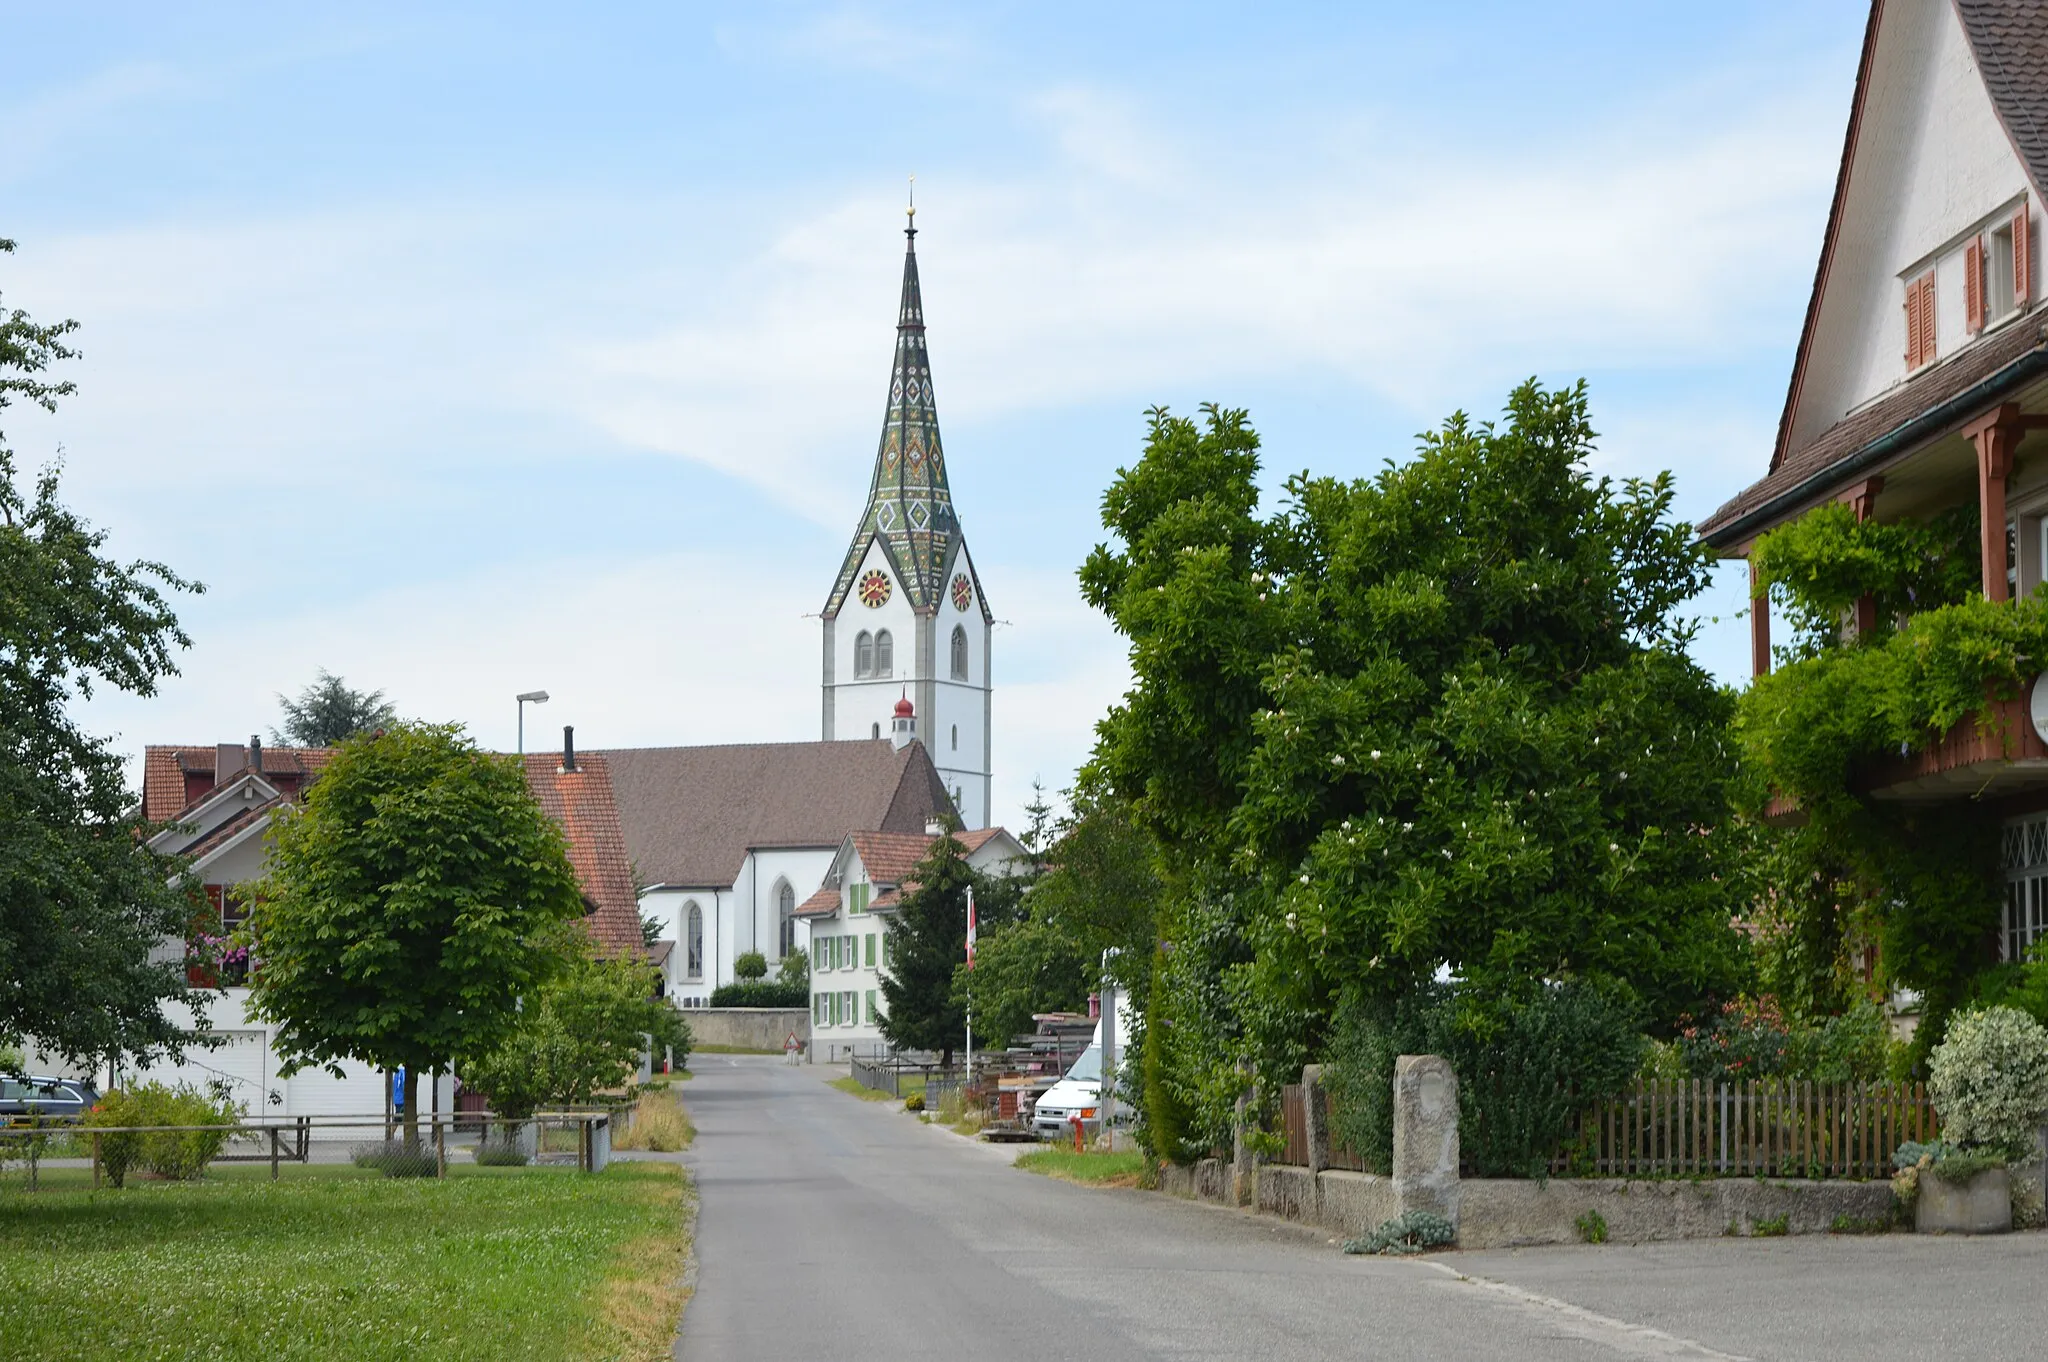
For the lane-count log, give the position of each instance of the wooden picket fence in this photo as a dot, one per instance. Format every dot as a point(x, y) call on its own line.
point(1761, 1128)
point(1766, 1128)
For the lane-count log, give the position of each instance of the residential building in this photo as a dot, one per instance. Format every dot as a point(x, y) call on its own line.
point(1920, 383)
point(218, 802)
point(906, 617)
point(849, 918)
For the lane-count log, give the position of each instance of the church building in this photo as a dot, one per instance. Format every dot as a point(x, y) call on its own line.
point(727, 841)
point(906, 618)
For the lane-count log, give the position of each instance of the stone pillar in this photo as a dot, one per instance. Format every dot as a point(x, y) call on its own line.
point(1316, 1116)
point(1426, 1135)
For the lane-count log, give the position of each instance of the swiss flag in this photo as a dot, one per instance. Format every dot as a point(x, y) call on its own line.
point(970, 926)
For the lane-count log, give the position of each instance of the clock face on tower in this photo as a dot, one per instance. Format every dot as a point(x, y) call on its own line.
point(874, 589)
point(963, 592)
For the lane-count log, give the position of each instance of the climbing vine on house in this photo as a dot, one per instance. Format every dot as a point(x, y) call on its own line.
point(1918, 881)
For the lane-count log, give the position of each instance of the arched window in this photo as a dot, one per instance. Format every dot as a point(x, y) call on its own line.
point(786, 906)
point(959, 653)
point(885, 650)
point(875, 731)
point(693, 940)
point(864, 654)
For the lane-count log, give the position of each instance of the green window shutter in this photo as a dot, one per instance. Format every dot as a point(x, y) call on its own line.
point(818, 952)
point(871, 950)
point(871, 1006)
point(817, 1008)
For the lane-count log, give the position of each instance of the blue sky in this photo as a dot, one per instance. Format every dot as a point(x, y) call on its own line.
point(468, 350)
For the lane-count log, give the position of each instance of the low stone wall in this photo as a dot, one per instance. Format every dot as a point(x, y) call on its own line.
point(1503, 1212)
point(1511, 1213)
point(747, 1028)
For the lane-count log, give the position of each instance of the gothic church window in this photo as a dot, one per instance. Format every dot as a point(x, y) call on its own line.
point(885, 653)
point(693, 938)
point(959, 653)
point(786, 908)
point(863, 654)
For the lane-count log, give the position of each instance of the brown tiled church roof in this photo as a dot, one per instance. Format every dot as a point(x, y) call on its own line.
point(691, 814)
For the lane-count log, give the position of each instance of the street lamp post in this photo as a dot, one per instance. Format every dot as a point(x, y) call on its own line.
point(534, 697)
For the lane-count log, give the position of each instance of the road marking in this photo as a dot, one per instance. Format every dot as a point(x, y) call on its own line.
point(1593, 1326)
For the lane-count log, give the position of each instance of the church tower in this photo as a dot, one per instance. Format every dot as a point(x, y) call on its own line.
point(906, 620)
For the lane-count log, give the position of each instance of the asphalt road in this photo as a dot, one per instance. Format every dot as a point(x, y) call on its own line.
point(841, 1230)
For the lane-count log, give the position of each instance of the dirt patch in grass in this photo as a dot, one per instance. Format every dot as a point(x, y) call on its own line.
point(1095, 1170)
point(637, 1308)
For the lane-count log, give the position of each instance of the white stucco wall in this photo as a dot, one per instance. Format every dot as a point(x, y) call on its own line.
point(1931, 162)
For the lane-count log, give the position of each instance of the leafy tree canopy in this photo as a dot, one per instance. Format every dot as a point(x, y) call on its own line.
point(411, 902)
point(583, 1032)
point(927, 942)
point(83, 902)
point(328, 713)
point(1441, 718)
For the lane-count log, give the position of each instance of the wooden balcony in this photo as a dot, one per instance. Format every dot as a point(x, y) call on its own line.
point(1973, 760)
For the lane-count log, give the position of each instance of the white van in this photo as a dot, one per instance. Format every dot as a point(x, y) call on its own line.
point(1079, 1093)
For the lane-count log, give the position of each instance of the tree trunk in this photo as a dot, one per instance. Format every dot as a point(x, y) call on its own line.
point(411, 1109)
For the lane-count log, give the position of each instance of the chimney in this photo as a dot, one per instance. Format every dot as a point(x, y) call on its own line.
point(256, 753)
point(228, 760)
point(568, 747)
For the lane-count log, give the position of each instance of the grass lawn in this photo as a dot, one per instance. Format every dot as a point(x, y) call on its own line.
point(335, 1261)
point(864, 1094)
point(1101, 1170)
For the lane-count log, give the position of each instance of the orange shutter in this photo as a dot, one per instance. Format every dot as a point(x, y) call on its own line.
point(1928, 346)
point(1912, 325)
point(1973, 286)
point(2022, 260)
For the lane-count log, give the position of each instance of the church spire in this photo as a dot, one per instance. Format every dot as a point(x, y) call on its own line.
point(910, 507)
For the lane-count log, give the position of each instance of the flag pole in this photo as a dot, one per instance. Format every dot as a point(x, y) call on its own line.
point(967, 1072)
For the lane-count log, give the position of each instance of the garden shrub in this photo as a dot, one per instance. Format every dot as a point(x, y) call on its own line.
point(914, 1102)
point(397, 1159)
point(761, 993)
point(1410, 1232)
point(1989, 1082)
point(750, 965)
point(175, 1154)
point(1526, 1069)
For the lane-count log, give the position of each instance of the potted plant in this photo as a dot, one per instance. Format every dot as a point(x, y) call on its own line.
point(1989, 1082)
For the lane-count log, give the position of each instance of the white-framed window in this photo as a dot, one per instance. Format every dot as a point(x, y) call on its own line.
point(885, 653)
point(863, 654)
point(817, 1009)
point(959, 653)
point(785, 908)
point(693, 940)
point(2024, 849)
point(852, 1008)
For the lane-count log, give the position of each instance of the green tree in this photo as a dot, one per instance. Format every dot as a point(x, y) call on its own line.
point(1441, 718)
point(410, 904)
point(927, 942)
point(750, 965)
point(328, 713)
point(583, 1032)
point(84, 904)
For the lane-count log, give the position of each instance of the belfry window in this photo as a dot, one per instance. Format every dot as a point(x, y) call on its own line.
point(959, 653)
point(863, 654)
point(885, 653)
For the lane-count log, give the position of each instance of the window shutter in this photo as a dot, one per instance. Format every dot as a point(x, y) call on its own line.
point(2022, 259)
point(1973, 285)
point(1928, 342)
point(1912, 325)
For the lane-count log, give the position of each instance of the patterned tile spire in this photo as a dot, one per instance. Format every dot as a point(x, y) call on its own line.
point(910, 507)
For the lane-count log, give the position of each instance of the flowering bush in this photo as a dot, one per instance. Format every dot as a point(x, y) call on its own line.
point(1749, 1039)
point(1989, 1081)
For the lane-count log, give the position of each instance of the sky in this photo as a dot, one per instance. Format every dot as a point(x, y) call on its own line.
point(469, 350)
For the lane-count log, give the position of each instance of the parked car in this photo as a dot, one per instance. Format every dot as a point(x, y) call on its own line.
point(1077, 1094)
point(65, 1098)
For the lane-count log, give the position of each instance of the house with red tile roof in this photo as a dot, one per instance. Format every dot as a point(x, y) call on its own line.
point(1919, 389)
point(216, 804)
point(848, 919)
